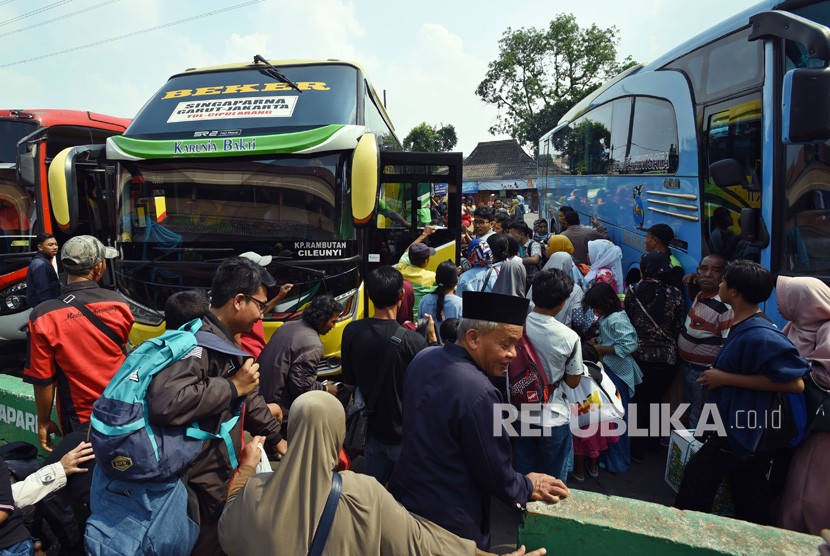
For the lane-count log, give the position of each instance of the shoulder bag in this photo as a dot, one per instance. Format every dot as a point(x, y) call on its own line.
point(358, 426)
point(654, 353)
point(318, 543)
point(94, 319)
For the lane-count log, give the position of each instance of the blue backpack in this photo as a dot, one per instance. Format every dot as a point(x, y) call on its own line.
point(127, 446)
point(139, 503)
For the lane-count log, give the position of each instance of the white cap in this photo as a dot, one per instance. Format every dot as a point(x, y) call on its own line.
point(262, 260)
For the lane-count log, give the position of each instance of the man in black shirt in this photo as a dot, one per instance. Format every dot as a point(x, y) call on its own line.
point(363, 349)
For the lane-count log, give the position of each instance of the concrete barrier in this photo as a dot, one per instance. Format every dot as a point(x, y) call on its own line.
point(18, 414)
point(590, 523)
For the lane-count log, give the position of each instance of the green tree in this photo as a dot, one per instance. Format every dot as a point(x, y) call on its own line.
point(424, 137)
point(541, 73)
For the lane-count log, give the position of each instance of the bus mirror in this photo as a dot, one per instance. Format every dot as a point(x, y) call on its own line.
point(63, 196)
point(63, 184)
point(26, 165)
point(365, 179)
point(804, 109)
point(727, 172)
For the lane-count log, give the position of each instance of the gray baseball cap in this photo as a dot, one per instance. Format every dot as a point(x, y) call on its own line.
point(81, 253)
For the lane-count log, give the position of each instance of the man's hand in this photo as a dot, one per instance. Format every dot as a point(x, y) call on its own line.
point(281, 447)
point(43, 432)
point(713, 378)
point(246, 379)
point(250, 454)
point(73, 459)
point(284, 289)
point(275, 410)
point(547, 488)
point(331, 388)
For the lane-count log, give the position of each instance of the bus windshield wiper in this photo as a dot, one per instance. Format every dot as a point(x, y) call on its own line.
point(271, 71)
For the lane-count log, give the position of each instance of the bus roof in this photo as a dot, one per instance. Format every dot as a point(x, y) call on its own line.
point(730, 25)
point(275, 63)
point(49, 117)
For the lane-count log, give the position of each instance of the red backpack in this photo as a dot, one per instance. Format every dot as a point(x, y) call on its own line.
point(526, 379)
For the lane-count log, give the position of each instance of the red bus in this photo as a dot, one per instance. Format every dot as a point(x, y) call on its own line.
point(29, 141)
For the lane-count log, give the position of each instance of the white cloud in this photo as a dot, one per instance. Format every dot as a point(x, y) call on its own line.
point(242, 48)
point(435, 82)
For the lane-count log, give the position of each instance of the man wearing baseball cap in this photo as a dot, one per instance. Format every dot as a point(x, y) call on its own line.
point(413, 265)
point(658, 238)
point(69, 349)
point(76, 346)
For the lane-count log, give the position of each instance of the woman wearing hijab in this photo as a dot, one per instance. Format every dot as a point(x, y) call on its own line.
point(805, 502)
point(481, 276)
point(656, 310)
point(606, 265)
point(573, 313)
point(561, 244)
point(277, 513)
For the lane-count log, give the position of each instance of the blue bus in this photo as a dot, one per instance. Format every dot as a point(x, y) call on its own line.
point(724, 139)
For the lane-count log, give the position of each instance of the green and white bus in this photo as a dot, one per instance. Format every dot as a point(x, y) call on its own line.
point(289, 159)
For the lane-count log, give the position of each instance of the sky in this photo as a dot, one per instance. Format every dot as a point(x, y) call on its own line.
point(111, 56)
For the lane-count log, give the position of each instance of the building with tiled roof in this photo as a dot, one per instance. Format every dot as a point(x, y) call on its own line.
point(499, 166)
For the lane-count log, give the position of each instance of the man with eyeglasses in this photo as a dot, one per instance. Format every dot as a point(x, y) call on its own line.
point(210, 387)
point(289, 361)
point(482, 224)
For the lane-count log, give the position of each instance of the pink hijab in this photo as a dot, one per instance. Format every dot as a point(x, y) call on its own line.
point(805, 302)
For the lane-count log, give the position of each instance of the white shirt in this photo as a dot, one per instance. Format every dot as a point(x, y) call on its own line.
point(559, 351)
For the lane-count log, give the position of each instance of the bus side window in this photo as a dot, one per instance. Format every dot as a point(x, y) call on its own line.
point(394, 206)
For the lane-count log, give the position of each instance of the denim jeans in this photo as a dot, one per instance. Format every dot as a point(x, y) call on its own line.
point(24, 548)
point(617, 458)
point(380, 459)
point(551, 452)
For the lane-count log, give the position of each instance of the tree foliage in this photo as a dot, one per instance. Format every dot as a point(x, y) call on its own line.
point(541, 73)
point(424, 137)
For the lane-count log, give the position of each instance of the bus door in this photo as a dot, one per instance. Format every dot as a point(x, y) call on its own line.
point(415, 190)
point(733, 136)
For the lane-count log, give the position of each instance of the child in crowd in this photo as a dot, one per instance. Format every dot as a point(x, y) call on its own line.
point(595, 445)
point(617, 341)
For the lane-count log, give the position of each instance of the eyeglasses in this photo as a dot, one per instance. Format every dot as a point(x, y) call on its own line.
point(263, 305)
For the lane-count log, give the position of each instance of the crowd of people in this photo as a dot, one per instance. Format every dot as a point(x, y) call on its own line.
point(428, 369)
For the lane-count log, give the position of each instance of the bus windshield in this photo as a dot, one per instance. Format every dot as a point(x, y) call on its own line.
point(261, 203)
point(17, 213)
point(11, 132)
point(251, 100)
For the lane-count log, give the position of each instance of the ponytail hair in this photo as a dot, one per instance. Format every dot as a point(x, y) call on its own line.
point(446, 279)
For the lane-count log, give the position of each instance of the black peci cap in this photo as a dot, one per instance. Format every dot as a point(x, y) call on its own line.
point(495, 307)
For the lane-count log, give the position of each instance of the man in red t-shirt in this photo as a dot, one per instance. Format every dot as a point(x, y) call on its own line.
point(68, 349)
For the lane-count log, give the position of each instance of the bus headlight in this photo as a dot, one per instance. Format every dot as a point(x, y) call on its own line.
point(13, 298)
point(349, 302)
point(143, 314)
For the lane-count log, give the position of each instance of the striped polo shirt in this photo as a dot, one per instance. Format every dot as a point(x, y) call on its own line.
point(706, 326)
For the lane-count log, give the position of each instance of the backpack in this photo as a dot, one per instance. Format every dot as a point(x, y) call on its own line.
point(139, 503)
point(127, 446)
point(131, 518)
point(527, 382)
